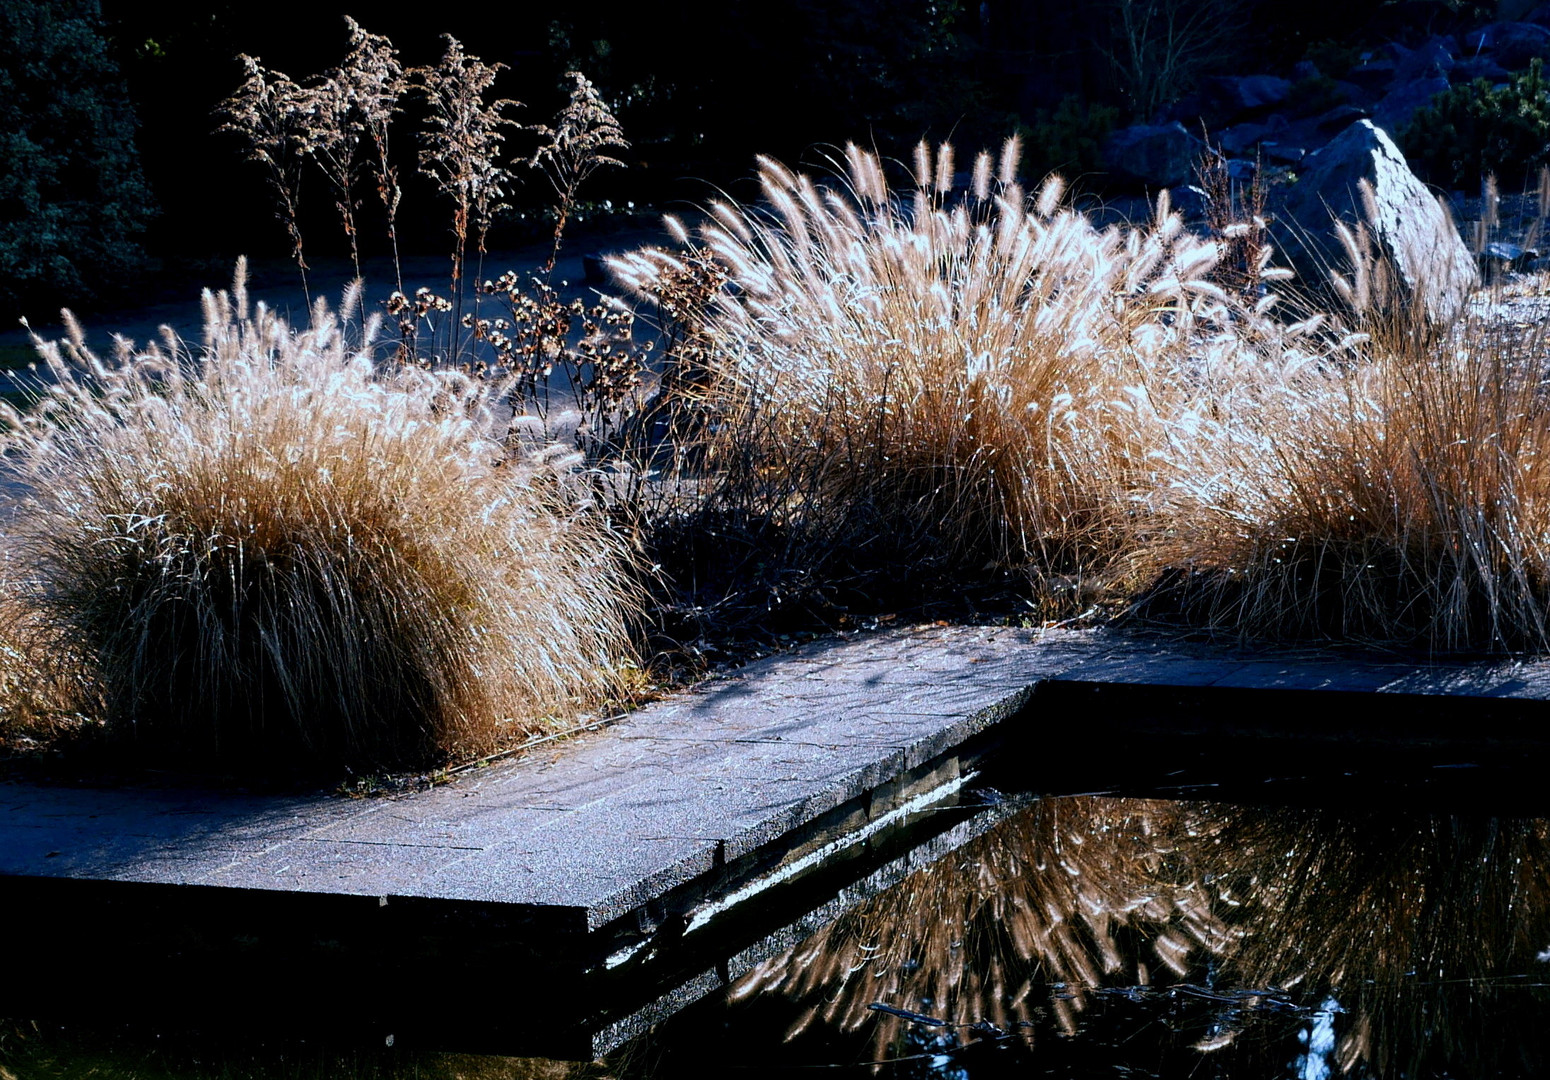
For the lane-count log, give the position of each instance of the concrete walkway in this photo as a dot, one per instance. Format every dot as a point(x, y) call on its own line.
point(594, 826)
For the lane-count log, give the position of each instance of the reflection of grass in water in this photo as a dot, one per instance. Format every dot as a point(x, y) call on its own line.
point(1422, 927)
point(39, 1052)
point(1077, 891)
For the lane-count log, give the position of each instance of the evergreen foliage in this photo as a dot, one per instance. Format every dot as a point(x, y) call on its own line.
point(1470, 132)
point(1068, 139)
point(73, 201)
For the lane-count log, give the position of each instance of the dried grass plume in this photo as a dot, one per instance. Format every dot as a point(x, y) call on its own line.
point(268, 549)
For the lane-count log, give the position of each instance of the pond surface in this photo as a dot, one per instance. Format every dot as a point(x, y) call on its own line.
point(1354, 928)
point(1100, 936)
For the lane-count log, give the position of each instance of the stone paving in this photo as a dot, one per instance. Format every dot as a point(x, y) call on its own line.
point(594, 827)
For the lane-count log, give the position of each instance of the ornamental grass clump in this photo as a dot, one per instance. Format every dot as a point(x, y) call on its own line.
point(1395, 489)
point(935, 380)
point(271, 551)
point(44, 696)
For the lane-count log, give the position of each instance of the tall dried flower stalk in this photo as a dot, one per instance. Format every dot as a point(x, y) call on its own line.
point(348, 105)
point(376, 81)
point(272, 113)
point(574, 148)
point(460, 149)
point(332, 138)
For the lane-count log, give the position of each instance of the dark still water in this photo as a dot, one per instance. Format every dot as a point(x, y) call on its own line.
point(1083, 936)
point(1096, 936)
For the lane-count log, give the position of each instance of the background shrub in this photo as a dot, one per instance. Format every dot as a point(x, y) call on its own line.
point(73, 203)
point(1067, 139)
point(1314, 95)
point(1469, 132)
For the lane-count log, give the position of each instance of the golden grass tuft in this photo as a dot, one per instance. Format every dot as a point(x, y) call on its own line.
point(269, 550)
point(925, 382)
point(937, 381)
point(1394, 492)
point(1380, 477)
point(44, 694)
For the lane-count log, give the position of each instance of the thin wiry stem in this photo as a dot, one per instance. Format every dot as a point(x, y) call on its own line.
point(376, 83)
point(271, 113)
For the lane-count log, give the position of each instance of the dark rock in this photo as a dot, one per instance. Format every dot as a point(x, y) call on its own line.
point(1282, 153)
point(1190, 201)
point(1303, 134)
point(1340, 117)
point(1478, 67)
point(1243, 138)
point(1306, 69)
point(1239, 169)
point(1240, 95)
point(1354, 94)
point(1373, 76)
point(1540, 15)
point(1187, 110)
point(1435, 57)
point(1312, 98)
point(1115, 210)
point(1259, 91)
point(1512, 44)
point(1400, 104)
point(1157, 155)
point(1409, 226)
point(1511, 254)
point(1124, 209)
